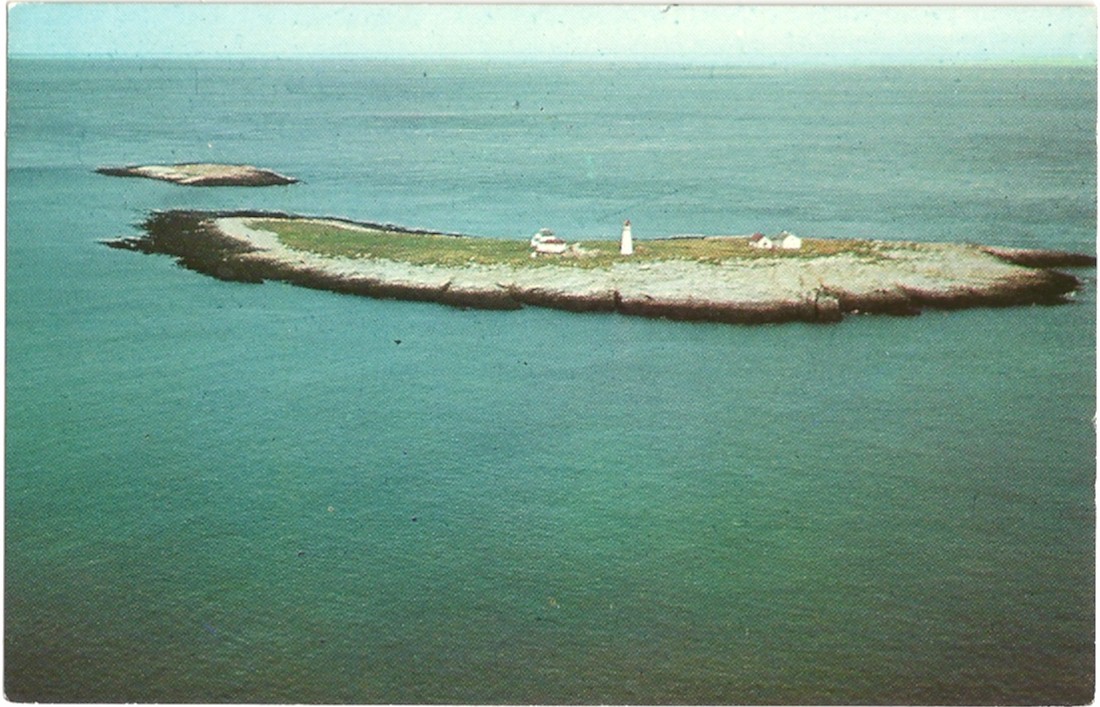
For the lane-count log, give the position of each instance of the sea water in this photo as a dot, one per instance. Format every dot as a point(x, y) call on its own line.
point(227, 492)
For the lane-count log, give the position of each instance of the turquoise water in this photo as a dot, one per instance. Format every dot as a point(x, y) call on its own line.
point(228, 492)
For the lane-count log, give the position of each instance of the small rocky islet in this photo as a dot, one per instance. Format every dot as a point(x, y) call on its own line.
point(699, 278)
point(203, 174)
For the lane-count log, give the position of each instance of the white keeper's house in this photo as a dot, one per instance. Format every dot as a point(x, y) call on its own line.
point(547, 243)
point(759, 240)
point(789, 241)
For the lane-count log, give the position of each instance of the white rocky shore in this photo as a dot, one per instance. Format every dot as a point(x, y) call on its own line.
point(901, 278)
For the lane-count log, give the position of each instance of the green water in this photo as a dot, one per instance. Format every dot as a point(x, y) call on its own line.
point(226, 492)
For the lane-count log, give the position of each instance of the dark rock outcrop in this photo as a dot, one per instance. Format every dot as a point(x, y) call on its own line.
point(1032, 258)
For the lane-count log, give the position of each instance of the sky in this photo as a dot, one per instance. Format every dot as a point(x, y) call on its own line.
point(716, 33)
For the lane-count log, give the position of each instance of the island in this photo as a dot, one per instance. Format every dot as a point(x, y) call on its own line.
point(709, 278)
point(203, 174)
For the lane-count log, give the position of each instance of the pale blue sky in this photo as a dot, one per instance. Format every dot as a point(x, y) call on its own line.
point(727, 34)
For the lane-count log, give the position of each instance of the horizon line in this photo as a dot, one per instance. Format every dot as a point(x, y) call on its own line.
point(761, 60)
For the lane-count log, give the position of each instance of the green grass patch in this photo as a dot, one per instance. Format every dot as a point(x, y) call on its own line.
point(416, 248)
point(439, 249)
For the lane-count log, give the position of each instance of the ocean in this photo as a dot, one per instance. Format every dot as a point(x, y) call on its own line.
point(223, 492)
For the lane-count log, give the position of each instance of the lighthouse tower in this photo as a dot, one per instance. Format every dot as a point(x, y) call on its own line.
point(626, 245)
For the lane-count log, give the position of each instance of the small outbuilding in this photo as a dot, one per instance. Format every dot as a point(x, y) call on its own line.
point(789, 241)
point(759, 240)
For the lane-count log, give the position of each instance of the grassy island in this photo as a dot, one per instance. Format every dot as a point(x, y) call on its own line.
point(716, 278)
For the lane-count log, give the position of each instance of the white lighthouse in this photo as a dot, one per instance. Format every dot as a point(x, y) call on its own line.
point(626, 245)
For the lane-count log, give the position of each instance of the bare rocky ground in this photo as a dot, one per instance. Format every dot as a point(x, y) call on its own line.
point(203, 174)
point(902, 279)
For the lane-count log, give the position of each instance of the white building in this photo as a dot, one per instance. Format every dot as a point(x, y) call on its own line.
point(789, 241)
point(759, 240)
point(626, 243)
point(547, 243)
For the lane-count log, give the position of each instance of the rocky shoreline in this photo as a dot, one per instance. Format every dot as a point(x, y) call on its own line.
point(903, 279)
point(201, 174)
